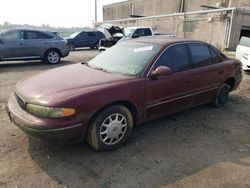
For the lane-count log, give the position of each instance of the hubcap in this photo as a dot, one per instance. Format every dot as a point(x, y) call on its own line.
point(53, 57)
point(113, 129)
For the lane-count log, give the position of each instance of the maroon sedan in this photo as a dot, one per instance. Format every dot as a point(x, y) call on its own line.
point(133, 82)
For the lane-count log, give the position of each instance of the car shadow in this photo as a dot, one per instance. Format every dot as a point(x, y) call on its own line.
point(84, 49)
point(158, 153)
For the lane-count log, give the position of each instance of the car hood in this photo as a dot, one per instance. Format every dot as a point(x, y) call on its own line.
point(58, 84)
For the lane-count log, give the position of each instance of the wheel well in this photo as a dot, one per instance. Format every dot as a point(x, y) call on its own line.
point(230, 82)
point(130, 106)
point(53, 49)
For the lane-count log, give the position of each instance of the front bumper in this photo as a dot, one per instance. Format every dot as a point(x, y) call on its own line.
point(39, 128)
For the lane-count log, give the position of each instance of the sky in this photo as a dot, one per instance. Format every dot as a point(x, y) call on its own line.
point(64, 13)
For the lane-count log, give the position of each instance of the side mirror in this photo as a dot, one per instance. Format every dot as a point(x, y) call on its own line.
point(161, 71)
point(134, 36)
point(1, 41)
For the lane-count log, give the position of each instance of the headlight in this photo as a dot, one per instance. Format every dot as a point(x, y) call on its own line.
point(49, 112)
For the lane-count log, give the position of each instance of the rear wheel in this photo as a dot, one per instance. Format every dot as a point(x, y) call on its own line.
point(52, 57)
point(110, 129)
point(222, 96)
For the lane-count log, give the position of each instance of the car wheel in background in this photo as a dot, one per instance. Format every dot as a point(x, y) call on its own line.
point(222, 96)
point(71, 46)
point(110, 129)
point(52, 57)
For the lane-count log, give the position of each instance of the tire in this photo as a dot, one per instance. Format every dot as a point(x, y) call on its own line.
point(222, 96)
point(105, 135)
point(53, 57)
point(71, 46)
point(97, 45)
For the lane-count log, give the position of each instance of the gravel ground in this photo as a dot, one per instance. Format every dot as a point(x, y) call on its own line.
point(201, 147)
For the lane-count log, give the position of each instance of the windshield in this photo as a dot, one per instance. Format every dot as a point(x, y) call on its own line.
point(74, 35)
point(129, 31)
point(127, 58)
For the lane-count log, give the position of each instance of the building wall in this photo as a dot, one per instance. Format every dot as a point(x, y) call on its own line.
point(117, 11)
point(123, 10)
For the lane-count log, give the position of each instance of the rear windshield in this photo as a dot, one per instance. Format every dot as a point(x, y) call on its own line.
point(245, 41)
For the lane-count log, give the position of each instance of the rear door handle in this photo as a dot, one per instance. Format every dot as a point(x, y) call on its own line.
point(21, 44)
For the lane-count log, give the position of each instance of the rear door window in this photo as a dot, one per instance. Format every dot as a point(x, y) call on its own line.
point(91, 34)
point(215, 57)
point(245, 41)
point(29, 35)
point(175, 57)
point(43, 35)
point(200, 55)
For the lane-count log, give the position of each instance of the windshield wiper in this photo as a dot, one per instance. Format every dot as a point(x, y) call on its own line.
point(97, 68)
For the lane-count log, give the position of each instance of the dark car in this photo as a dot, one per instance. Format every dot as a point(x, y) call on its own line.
point(132, 82)
point(85, 39)
point(26, 44)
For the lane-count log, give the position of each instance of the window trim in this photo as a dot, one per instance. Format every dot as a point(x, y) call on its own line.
point(193, 66)
point(150, 67)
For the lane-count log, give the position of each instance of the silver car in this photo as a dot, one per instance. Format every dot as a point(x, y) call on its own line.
point(22, 44)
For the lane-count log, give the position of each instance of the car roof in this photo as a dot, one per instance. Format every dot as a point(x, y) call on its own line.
point(165, 41)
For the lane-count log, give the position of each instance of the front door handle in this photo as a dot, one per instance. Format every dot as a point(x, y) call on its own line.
point(21, 44)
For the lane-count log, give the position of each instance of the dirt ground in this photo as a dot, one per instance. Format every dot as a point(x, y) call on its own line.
point(202, 147)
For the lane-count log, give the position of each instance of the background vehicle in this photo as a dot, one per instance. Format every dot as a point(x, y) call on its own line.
point(117, 34)
point(85, 39)
point(243, 48)
point(21, 44)
point(132, 82)
point(245, 60)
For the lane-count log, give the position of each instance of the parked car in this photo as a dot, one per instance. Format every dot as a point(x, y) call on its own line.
point(243, 47)
point(22, 44)
point(118, 34)
point(132, 82)
point(246, 62)
point(85, 39)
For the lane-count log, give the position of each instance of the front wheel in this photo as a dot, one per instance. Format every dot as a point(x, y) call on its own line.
point(52, 57)
point(222, 96)
point(110, 129)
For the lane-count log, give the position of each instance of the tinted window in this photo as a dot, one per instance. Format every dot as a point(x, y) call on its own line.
point(43, 35)
point(91, 34)
point(139, 32)
point(200, 54)
point(216, 58)
point(175, 57)
point(11, 36)
point(31, 35)
point(82, 35)
point(245, 41)
point(147, 32)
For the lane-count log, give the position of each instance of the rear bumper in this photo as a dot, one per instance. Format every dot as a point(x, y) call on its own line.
point(34, 126)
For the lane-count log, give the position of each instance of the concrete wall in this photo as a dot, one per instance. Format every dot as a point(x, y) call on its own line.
point(117, 11)
point(157, 7)
point(241, 20)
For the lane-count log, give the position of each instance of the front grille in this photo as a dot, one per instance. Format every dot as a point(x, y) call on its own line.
point(20, 101)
